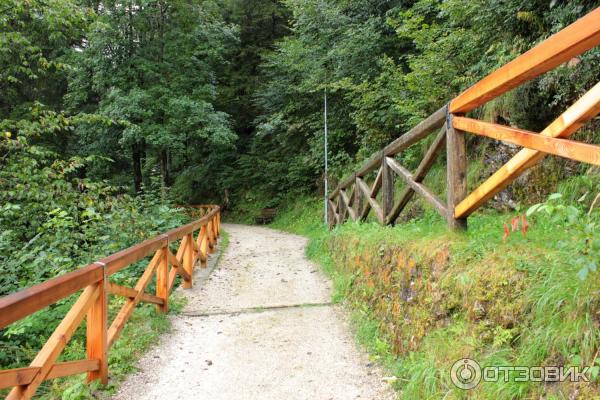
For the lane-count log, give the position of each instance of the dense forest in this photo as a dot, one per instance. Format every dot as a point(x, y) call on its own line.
point(111, 112)
point(161, 95)
point(107, 106)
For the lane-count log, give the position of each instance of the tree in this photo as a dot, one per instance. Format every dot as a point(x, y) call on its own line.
point(152, 67)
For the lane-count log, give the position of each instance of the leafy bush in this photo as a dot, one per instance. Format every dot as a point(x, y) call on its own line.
point(581, 230)
point(52, 222)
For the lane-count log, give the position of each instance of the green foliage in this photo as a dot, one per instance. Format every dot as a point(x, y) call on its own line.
point(387, 65)
point(35, 36)
point(153, 65)
point(333, 46)
point(582, 229)
point(52, 221)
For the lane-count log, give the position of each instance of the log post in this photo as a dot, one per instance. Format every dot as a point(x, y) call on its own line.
point(211, 239)
point(359, 199)
point(343, 208)
point(216, 227)
point(162, 282)
point(457, 173)
point(203, 247)
point(387, 188)
point(188, 259)
point(331, 219)
point(97, 331)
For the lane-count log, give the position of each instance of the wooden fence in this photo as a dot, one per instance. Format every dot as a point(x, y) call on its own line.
point(354, 198)
point(92, 304)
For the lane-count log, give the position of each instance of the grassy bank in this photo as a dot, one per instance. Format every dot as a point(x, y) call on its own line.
point(423, 297)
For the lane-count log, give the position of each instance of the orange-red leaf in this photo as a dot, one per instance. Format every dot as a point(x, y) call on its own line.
point(524, 225)
point(515, 223)
point(506, 233)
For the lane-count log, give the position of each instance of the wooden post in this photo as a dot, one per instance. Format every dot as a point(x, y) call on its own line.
point(203, 247)
point(387, 188)
point(188, 259)
point(162, 282)
point(215, 228)
point(97, 331)
point(343, 207)
point(211, 239)
point(331, 219)
point(359, 199)
point(457, 173)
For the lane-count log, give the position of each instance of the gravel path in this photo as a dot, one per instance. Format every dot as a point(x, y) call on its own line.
point(259, 327)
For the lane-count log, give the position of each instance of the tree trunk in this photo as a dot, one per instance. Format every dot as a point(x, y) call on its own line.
point(164, 168)
point(136, 155)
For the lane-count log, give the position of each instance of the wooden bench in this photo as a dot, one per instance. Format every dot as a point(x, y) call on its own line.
point(267, 215)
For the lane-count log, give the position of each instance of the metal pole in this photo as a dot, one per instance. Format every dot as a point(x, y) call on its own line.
point(326, 166)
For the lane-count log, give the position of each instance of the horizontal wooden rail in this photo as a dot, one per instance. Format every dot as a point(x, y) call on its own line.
point(131, 293)
point(577, 38)
point(583, 152)
point(574, 40)
point(93, 301)
point(35, 298)
point(24, 376)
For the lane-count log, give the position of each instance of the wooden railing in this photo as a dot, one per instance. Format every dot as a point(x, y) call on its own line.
point(354, 198)
point(92, 304)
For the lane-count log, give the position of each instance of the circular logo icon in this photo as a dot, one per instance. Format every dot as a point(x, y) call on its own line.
point(465, 374)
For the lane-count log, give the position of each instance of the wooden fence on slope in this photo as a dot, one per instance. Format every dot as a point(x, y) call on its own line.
point(92, 304)
point(354, 198)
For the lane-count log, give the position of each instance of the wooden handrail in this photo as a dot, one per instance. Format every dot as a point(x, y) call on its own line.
point(94, 280)
point(419, 132)
point(582, 152)
point(27, 301)
point(565, 125)
point(577, 38)
point(24, 376)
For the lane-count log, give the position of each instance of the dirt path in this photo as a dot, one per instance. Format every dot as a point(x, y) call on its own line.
point(259, 327)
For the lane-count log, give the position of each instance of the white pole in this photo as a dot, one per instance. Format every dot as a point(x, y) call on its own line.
point(326, 166)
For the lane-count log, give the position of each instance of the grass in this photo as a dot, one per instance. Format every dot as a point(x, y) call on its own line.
point(422, 298)
point(223, 244)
